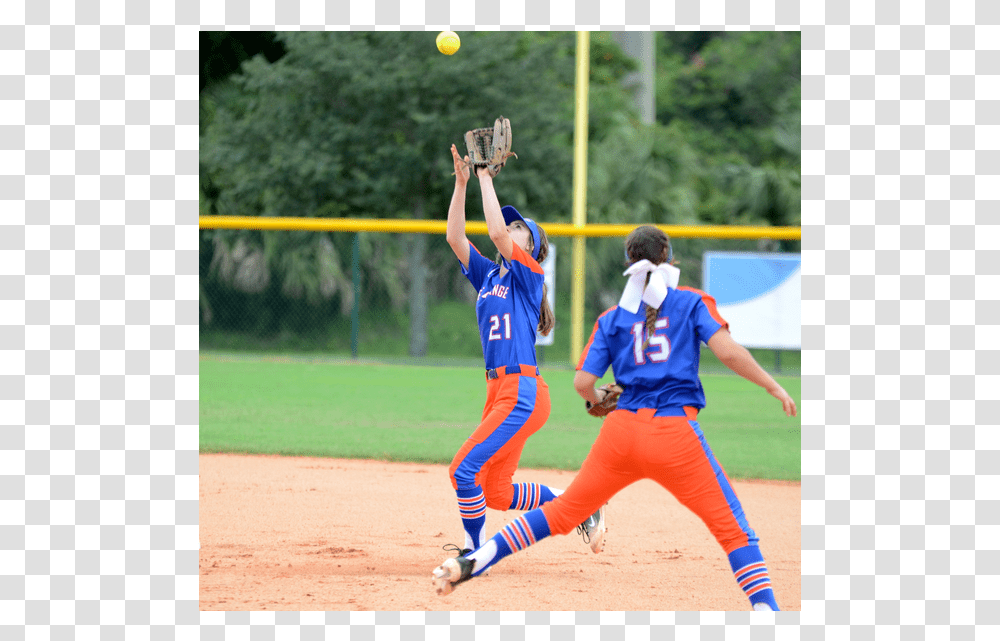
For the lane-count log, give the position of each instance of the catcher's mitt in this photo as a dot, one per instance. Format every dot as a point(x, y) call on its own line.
point(609, 401)
point(489, 147)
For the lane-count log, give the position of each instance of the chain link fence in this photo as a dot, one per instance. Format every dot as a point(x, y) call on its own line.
point(385, 296)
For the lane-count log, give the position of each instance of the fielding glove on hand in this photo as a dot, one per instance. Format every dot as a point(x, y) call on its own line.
point(609, 401)
point(488, 147)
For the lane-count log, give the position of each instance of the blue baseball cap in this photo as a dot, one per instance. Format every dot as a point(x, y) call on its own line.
point(510, 215)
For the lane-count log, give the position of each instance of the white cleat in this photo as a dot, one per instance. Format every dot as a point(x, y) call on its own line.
point(594, 529)
point(450, 573)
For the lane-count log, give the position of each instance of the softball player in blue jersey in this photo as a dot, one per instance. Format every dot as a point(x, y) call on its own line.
point(651, 340)
point(510, 308)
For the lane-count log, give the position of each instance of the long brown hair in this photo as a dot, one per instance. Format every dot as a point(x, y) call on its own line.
point(652, 244)
point(546, 318)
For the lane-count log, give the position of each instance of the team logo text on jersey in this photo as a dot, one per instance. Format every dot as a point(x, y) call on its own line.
point(498, 290)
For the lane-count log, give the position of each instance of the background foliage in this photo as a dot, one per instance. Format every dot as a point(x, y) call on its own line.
point(358, 124)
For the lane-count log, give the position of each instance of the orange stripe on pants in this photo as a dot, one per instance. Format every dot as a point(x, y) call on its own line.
point(635, 446)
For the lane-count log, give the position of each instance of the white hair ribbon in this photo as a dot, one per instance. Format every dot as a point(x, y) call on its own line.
point(661, 277)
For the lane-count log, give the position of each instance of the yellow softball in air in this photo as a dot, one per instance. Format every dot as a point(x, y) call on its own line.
point(448, 42)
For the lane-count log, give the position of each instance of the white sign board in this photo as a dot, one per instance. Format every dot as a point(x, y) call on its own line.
point(549, 267)
point(760, 295)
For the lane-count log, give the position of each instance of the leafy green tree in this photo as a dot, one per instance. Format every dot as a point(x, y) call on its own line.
point(358, 124)
point(735, 96)
point(724, 149)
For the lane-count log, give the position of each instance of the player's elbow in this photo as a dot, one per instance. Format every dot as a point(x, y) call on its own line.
point(455, 240)
point(583, 382)
point(498, 235)
point(736, 357)
point(730, 360)
point(725, 348)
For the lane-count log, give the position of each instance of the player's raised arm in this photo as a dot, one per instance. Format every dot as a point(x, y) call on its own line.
point(740, 360)
point(495, 224)
point(455, 234)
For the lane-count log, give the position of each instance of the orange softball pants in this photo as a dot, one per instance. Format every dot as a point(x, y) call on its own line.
point(670, 450)
point(517, 405)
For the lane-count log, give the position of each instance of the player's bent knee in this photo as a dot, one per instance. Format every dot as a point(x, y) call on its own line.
point(732, 542)
point(499, 500)
point(462, 476)
point(459, 480)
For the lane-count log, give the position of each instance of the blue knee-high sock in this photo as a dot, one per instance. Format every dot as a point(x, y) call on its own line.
point(751, 575)
point(527, 529)
point(528, 496)
point(472, 507)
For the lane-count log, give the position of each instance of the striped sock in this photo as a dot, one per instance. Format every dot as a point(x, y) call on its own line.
point(751, 575)
point(527, 529)
point(472, 508)
point(528, 496)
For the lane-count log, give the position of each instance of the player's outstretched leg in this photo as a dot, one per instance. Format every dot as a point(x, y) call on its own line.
point(525, 530)
point(751, 575)
point(594, 529)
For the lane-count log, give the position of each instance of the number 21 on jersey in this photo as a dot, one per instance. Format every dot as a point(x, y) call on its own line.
point(495, 327)
point(659, 342)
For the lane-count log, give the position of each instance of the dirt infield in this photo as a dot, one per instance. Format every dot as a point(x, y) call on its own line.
point(286, 533)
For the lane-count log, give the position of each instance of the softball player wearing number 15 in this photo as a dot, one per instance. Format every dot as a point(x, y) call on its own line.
point(653, 433)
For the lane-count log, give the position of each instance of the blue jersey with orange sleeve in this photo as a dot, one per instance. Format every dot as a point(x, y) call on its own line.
point(507, 307)
point(665, 374)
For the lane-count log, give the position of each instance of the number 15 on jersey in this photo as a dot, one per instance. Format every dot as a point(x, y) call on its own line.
point(659, 342)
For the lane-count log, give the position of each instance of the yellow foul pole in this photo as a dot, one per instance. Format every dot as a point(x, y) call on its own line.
point(580, 192)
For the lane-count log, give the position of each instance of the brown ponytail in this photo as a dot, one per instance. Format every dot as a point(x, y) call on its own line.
point(652, 244)
point(651, 314)
point(546, 319)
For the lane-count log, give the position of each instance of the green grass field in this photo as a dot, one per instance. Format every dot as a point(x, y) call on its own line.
point(402, 412)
